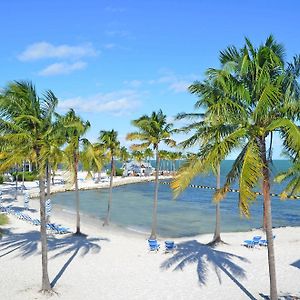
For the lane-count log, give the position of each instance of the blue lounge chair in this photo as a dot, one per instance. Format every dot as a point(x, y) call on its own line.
point(248, 243)
point(256, 240)
point(153, 245)
point(169, 246)
point(265, 242)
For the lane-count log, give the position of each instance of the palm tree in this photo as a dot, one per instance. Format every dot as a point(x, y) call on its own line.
point(293, 175)
point(124, 154)
point(148, 153)
point(74, 128)
point(259, 99)
point(207, 129)
point(26, 121)
point(152, 131)
point(93, 158)
point(138, 157)
point(109, 141)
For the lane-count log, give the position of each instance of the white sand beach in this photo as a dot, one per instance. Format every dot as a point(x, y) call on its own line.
point(116, 264)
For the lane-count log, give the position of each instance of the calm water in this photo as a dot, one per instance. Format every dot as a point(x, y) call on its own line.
point(190, 214)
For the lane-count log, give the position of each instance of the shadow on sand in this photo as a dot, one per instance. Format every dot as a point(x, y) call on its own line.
point(296, 264)
point(193, 252)
point(26, 244)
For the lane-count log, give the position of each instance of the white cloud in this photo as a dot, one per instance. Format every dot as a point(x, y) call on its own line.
point(115, 103)
point(176, 83)
point(109, 46)
point(43, 50)
point(62, 68)
point(133, 83)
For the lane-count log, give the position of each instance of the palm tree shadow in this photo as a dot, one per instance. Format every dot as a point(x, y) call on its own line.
point(194, 252)
point(73, 244)
point(26, 244)
point(296, 264)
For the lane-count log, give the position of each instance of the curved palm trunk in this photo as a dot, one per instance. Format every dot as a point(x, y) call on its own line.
point(217, 234)
point(112, 166)
point(46, 287)
point(76, 193)
point(154, 215)
point(268, 221)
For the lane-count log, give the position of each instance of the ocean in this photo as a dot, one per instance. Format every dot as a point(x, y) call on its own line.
point(192, 213)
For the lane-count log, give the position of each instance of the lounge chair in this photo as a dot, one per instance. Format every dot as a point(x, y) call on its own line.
point(256, 240)
point(248, 243)
point(169, 246)
point(265, 242)
point(153, 245)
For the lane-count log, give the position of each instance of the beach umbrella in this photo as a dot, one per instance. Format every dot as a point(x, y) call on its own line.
point(26, 200)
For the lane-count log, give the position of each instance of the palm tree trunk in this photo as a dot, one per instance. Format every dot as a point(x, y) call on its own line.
point(16, 194)
point(23, 176)
point(46, 287)
point(268, 220)
point(154, 215)
point(217, 234)
point(48, 176)
point(112, 166)
point(76, 193)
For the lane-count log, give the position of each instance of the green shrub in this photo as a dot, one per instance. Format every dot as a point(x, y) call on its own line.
point(3, 219)
point(28, 176)
point(119, 172)
point(1, 179)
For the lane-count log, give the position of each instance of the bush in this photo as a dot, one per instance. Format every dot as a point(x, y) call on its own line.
point(1, 179)
point(119, 172)
point(3, 219)
point(28, 176)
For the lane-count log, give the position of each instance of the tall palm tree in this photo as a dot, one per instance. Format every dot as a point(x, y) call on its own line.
point(93, 158)
point(152, 131)
point(74, 128)
point(26, 121)
point(292, 175)
point(207, 129)
point(138, 157)
point(148, 154)
point(109, 141)
point(259, 97)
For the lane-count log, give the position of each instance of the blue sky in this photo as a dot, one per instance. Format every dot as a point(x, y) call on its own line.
point(113, 61)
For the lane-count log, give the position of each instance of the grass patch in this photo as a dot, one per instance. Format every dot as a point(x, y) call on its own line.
point(3, 221)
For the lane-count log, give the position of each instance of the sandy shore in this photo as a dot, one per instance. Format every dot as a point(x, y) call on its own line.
point(114, 264)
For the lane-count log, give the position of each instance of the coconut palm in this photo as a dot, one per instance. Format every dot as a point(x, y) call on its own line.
point(109, 141)
point(138, 157)
point(259, 99)
point(26, 121)
point(74, 128)
point(207, 129)
point(93, 158)
point(292, 175)
point(152, 131)
point(148, 154)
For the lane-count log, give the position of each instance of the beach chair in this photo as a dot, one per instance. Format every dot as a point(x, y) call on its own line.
point(256, 240)
point(248, 243)
point(153, 245)
point(265, 242)
point(169, 246)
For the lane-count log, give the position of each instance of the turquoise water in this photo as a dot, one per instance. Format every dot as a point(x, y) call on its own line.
point(190, 214)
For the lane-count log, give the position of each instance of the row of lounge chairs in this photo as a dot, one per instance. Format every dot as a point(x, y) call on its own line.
point(155, 246)
point(256, 241)
point(52, 227)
